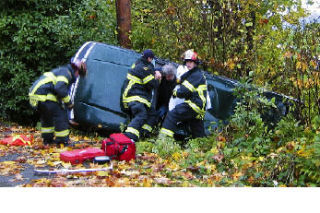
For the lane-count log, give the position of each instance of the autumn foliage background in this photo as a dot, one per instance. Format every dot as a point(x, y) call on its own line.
point(257, 42)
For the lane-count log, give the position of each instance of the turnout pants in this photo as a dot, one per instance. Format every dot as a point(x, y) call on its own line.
point(54, 122)
point(142, 122)
point(182, 113)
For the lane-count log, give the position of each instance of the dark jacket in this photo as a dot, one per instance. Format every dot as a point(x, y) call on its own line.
point(193, 89)
point(165, 91)
point(139, 83)
point(53, 86)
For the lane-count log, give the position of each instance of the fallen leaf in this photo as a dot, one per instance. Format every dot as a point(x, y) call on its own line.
point(102, 173)
point(66, 165)
point(162, 180)
point(176, 156)
point(122, 182)
point(41, 162)
point(54, 163)
point(130, 172)
point(147, 182)
point(60, 182)
point(21, 159)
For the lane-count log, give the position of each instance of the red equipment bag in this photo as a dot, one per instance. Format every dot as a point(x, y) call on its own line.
point(17, 140)
point(119, 147)
point(79, 155)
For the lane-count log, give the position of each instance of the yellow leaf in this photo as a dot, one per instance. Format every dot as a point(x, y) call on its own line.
point(176, 156)
point(214, 150)
point(66, 165)
point(298, 65)
point(302, 153)
point(55, 156)
point(210, 168)
point(221, 145)
point(102, 173)
point(231, 65)
point(301, 65)
point(304, 66)
point(147, 182)
point(185, 184)
point(54, 163)
point(8, 163)
point(201, 163)
point(313, 64)
point(279, 150)
point(51, 150)
point(237, 175)
point(173, 166)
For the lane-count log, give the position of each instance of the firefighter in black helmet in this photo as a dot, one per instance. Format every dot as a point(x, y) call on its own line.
point(136, 98)
point(193, 89)
point(49, 95)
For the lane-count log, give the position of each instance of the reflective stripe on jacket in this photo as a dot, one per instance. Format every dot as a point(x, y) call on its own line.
point(193, 89)
point(139, 83)
point(52, 86)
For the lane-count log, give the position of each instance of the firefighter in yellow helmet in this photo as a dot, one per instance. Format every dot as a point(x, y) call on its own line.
point(193, 89)
point(49, 94)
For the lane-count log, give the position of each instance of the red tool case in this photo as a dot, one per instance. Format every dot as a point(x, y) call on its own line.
point(79, 155)
point(119, 147)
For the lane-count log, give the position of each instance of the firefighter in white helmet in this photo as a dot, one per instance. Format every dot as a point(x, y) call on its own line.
point(193, 89)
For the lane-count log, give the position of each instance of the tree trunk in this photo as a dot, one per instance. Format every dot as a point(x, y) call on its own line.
point(124, 22)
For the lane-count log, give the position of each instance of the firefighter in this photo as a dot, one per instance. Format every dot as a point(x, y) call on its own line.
point(141, 80)
point(49, 95)
point(193, 91)
point(163, 94)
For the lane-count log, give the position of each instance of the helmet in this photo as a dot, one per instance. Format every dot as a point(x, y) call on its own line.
point(79, 65)
point(148, 53)
point(190, 55)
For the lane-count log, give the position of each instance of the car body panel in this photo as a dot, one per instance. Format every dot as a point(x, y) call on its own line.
point(97, 95)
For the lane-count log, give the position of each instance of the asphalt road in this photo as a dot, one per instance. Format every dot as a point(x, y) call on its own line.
point(27, 172)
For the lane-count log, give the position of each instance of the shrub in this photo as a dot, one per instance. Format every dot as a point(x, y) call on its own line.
point(36, 36)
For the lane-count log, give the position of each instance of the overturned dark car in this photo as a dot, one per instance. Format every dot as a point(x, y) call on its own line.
point(97, 95)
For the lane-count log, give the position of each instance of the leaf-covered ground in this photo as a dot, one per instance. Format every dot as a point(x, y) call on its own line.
point(212, 161)
point(17, 165)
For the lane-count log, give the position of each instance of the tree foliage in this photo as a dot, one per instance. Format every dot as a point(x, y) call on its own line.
point(232, 38)
point(227, 34)
point(36, 36)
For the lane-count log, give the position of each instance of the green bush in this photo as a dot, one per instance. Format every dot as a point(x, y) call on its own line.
point(165, 147)
point(36, 36)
